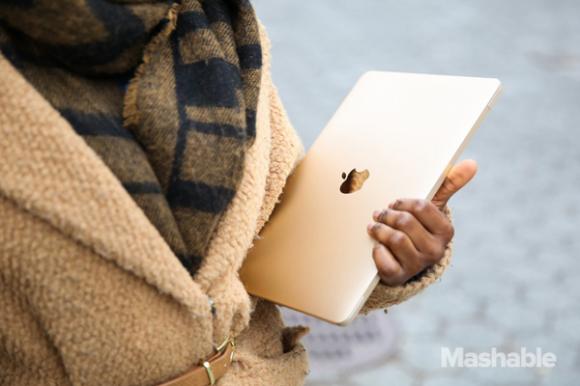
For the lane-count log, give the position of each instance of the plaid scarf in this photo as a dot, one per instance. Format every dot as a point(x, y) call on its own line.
point(164, 92)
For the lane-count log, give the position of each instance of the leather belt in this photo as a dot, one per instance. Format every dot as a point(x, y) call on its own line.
point(210, 370)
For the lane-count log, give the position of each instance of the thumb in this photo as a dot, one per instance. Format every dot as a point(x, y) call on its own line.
point(459, 175)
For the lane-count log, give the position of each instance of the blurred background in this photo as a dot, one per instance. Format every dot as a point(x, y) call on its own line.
point(514, 281)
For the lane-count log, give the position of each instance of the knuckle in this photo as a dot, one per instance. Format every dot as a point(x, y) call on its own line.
point(397, 238)
point(429, 253)
point(436, 254)
point(403, 220)
point(420, 206)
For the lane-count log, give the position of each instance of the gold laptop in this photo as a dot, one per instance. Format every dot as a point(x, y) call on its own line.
point(395, 135)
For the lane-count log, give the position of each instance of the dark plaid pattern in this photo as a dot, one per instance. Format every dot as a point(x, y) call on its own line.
point(165, 93)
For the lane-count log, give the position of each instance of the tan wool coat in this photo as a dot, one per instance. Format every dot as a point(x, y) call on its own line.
point(90, 294)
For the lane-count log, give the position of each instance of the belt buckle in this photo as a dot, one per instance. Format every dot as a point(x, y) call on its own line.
point(220, 350)
point(222, 347)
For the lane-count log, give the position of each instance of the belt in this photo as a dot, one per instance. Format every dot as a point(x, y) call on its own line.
point(210, 370)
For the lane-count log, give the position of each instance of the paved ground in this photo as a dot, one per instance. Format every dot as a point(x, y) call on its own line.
point(514, 281)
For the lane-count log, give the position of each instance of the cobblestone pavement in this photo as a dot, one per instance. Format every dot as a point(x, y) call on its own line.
point(514, 281)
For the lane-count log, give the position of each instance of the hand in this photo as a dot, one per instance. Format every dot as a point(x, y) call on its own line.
point(412, 234)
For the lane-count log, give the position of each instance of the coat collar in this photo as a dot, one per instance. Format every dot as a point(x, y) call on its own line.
point(49, 171)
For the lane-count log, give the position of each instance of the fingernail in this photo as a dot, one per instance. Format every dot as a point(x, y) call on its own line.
point(376, 215)
point(370, 226)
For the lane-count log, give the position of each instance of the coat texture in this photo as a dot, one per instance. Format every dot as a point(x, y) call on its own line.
point(90, 292)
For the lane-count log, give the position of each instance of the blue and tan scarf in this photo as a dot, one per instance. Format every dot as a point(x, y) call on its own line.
point(164, 92)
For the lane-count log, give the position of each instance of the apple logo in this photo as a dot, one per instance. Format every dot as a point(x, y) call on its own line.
point(354, 181)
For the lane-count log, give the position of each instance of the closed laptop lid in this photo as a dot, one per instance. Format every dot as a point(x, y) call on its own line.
point(395, 135)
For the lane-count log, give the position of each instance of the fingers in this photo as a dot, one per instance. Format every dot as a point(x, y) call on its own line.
point(390, 271)
point(457, 178)
point(408, 224)
point(427, 214)
point(403, 252)
point(403, 227)
point(412, 234)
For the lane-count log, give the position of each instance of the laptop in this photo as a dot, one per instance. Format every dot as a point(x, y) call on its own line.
point(395, 135)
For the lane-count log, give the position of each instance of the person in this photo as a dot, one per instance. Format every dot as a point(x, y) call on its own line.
point(143, 148)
